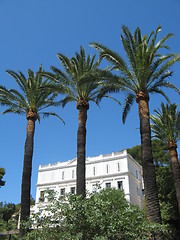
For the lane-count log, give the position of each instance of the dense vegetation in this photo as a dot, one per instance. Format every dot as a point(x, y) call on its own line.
point(9, 214)
point(100, 216)
point(166, 127)
point(165, 184)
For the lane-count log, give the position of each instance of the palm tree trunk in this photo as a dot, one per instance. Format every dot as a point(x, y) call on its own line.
point(176, 172)
point(27, 168)
point(81, 151)
point(150, 187)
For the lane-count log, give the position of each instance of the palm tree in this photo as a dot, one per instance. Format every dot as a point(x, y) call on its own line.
point(146, 73)
point(166, 127)
point(81, 80)
point(36, 95)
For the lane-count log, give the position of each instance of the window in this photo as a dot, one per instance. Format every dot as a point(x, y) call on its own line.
point(73, 173)
point(118, 167)
point(138, 191)
point(94, 171)
point(72, 190)
point(107, 168)
point(120, 185)
point(137, 174)
point(62, 192)
point(108, 185)
point(143, 192)
point(63, 175)
point(50, 193)
point(41, 198)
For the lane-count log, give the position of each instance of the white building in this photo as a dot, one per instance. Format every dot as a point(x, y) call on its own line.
point(118, 170)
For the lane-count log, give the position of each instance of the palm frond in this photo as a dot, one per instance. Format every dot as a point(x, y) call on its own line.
point(19, 78)
point(113, 98)
point(166, 66)
point(12, 110)
point(65, 61)
point(67, 99)
point(159, 91)
point(128, 103)
point(48, 114)
point(37, 93)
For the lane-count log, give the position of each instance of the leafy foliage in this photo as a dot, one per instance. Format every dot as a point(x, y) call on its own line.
point(164, 178)
point(135, 152)
point(7, 222)
point(2, 173)
point(6, 210)
point(167, 195)
point(160, 153)
point(101, 216)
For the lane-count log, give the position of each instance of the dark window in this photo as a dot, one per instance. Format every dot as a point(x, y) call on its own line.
point(107, 168)
point(142, 192)
point(72, 190)
point(108, 185)
point(62, 191)
point(120, 185)
point(50, 194)
point(41, 198)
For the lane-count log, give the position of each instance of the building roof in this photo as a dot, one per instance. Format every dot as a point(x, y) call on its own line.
point(89, 160)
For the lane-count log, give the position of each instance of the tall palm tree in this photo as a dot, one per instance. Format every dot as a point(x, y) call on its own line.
point(80, 79)
point(34, 96)
point(145, 73)
point(166, 127)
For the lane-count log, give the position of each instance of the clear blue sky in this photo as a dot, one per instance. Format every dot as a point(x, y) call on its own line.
point(32, 33)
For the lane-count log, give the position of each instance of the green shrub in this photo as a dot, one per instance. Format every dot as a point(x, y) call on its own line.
point(101, 216)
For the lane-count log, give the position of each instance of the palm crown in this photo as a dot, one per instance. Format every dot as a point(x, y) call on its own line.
point(36, 95)
point(81, 79)
point(149, 68)
point(166, 123)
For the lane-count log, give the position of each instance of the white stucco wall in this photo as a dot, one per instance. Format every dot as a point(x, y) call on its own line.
point(103, 169)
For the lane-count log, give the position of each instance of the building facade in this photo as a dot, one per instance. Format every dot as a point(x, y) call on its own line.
point(116, 170)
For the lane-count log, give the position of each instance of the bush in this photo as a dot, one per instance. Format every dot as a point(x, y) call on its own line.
point(101, 216)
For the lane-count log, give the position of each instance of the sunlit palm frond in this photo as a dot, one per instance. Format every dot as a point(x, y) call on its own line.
point(36, 93)
point(165, 67)
point(48, 114)
point(149, 67)
point(160, 92)
point(13, 110)
point(67, 99)
point(65, 61)
point(19, 78)
point(128, 103)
